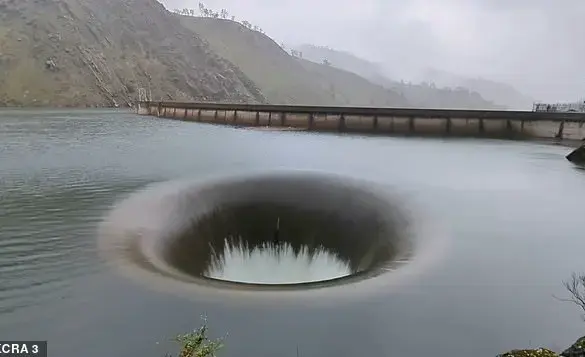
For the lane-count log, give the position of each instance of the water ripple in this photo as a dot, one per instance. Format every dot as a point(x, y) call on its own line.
point(40, 262)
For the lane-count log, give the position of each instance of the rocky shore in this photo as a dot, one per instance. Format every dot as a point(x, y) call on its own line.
point(576, 350)
point(577, 156)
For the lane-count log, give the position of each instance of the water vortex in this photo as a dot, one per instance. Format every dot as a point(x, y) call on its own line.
point(269, 231)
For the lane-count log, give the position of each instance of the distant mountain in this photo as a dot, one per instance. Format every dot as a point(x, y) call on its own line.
point(102, 52)
point(340, 59)
point(282, 77)
point(474, 94)
point(498, 92)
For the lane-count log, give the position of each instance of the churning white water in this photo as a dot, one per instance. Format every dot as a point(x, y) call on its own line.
point(275, 264)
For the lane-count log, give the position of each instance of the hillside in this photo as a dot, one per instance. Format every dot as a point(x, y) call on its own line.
point(341, 59)
point(285, 79)
point(100, 52)
point(420, 95)
point(496, 91)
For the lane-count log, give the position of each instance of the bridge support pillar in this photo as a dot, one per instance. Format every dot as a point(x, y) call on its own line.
point(509, 128)
point(559, 134)
point(411, 128)
point(341, 125)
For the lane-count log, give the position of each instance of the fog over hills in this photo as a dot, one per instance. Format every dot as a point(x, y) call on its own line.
point(424, 93)
point(498, 92)
point(283, 78)
point(534, 46)
point(100, 52)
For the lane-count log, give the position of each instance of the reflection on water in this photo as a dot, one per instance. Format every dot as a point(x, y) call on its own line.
point(274, 263)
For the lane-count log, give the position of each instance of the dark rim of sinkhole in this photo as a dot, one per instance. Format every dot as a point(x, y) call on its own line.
point(339, 229)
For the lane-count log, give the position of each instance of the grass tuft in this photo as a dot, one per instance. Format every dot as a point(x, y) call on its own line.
point(197, 344)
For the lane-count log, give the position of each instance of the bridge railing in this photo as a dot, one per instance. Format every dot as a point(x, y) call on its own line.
point(368, 111)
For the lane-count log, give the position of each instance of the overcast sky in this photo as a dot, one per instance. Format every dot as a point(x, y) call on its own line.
point(536, 45)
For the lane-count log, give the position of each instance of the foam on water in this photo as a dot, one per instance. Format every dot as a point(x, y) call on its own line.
point(275, 264)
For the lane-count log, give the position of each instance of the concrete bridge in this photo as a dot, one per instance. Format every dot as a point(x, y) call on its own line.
point(566, 126)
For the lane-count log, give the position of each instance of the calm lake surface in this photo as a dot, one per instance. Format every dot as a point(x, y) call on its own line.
point(513, 213)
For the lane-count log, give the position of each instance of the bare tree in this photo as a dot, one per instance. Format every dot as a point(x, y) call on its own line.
point(576, 287)
point(202, 8)
point(233, 18)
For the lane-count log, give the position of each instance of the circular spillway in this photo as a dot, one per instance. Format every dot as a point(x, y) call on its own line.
point(279, 230)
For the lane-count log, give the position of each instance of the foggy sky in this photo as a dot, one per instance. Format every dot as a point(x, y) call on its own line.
point(536, 45)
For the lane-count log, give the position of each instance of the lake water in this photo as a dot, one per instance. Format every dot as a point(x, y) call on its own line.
point(510, 217)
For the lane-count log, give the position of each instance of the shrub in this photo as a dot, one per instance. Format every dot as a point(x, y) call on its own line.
point(197, 344)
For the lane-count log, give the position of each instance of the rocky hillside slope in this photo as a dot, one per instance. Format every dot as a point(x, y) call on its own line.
point(100, 52)
point(285, 79)
point(422, 95)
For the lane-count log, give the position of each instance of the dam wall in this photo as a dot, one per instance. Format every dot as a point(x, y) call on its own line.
point(389, 121)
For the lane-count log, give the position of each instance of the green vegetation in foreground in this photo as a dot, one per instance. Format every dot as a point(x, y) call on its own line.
point(576, 287)
point(541, 352)
point(197, 344)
